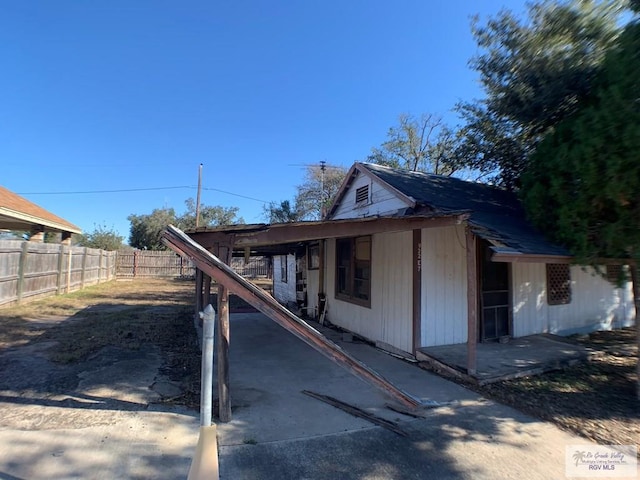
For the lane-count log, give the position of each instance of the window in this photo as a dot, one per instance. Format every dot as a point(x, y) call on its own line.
point(353, 270)
point(558, 284)
point(283, 268)
point(362, 194)
point(314, 257)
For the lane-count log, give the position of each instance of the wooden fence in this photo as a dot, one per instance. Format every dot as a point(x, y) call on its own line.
point(30, 270)
point(147, 264)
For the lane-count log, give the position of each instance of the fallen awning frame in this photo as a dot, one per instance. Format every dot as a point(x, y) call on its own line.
point(258, 298)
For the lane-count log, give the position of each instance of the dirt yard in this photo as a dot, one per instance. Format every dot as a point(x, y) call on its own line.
point(126, 315)
point(596, 400)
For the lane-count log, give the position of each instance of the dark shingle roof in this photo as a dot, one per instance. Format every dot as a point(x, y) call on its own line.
point(495, 214)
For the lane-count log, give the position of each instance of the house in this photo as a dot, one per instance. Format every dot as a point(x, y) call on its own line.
point(413, 260)
point(19, 214)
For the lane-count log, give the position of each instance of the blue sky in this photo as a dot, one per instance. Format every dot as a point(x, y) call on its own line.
point(127, 95)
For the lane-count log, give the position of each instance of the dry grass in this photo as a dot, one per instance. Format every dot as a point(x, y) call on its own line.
point(122, 314)
point(596, 400)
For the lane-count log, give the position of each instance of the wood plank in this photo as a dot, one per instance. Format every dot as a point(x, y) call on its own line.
point(417, 289)
point(258, 298)
point(223, 337)
point(358, 412)
point(472, 301)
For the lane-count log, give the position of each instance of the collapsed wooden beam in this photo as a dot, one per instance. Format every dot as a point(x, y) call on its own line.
point(179, 242)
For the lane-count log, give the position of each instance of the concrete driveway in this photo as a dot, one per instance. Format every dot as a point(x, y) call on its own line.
point(105, 419)
point(279, 433)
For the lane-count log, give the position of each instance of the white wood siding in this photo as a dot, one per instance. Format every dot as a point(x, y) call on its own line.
point(595, 304)
point(381, 200)
point(312, 293)
point(390, 317)
point(284, 292)
point(444, 286)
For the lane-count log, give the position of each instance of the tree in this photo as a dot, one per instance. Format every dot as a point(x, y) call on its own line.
point(535, 73)
point(146, 230)
point(582, 184)
point(315, 194)
point(101, 237)
point(283, 213)
point(209, 216)
point(421, 143)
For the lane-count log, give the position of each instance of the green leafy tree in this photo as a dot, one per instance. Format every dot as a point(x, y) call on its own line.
point(282, 213)
point(146, 230)
point(582, 184)
point(209, 216)
point(535, 73)
point(101, 237)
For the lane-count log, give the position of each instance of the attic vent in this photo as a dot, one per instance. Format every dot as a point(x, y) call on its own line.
point(362, 194)
point(616, 274)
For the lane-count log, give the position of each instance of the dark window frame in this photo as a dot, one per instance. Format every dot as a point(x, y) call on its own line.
point(284, 268)
point(349, 286)
point(313, 257)
point(558, 283)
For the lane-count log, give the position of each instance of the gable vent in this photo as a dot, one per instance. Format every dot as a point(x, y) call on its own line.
point(362, 194)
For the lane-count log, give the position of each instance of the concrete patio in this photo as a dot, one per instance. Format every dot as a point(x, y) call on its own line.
point(518, 357)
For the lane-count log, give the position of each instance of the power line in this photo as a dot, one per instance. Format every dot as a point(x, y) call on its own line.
point(236, 194)
point(125, 190)
point(105, 191)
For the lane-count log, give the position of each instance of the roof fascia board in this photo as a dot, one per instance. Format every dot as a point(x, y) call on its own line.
point(348, 179)
point(292, 233)
point(33, 220)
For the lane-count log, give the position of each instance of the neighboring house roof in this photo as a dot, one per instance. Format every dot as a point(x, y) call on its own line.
point(495, 214)
point(18, 213)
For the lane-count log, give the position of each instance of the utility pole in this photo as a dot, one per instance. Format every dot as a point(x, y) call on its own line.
point(323, 207)
point(198, 196)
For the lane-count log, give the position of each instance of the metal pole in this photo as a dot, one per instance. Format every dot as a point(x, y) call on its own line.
point(206, 392)
point(198, 197)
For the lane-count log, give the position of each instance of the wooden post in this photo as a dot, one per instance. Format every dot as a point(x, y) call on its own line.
point(135, 263)
point(222, 341)
point(206, 294)
point(69, 269)
point(84, 268)
point(321, 267)
point(21, 270)
point(198, 302)
point(472, 301)
point(636, 301)
point(60, 269)
point(417, 289)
